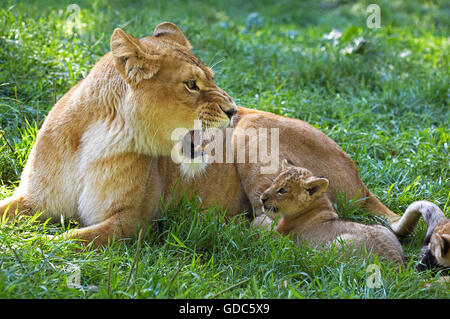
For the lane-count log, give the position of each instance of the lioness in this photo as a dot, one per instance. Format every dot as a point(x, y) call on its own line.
point(102, 154)
point(308, 215)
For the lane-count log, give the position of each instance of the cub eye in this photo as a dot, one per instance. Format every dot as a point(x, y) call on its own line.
point(281, 191)
point(192, 85)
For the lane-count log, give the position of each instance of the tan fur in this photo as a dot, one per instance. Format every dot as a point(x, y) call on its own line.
point(102, 154)
point(440, 243)
point(96, 152)
point(308, 215)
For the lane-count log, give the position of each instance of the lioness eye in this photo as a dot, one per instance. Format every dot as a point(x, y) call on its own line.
point(192, 85)
point(281, 191)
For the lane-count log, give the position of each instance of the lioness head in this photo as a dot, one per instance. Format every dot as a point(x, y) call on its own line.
point(292, 191)
point(167, 88)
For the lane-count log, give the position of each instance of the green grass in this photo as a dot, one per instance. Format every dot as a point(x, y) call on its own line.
point(386, 104)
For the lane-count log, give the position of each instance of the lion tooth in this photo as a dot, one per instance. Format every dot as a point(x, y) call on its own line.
point(198, 148)
point(205, 146)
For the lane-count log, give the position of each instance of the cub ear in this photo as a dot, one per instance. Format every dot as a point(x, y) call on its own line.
point(316, 185)
point(169, 31)
point(444, 243)
point(285, 164)
point(130, 58)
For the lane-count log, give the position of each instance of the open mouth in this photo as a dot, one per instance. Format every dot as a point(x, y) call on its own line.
point(193, 153)
point(195, 143)
point(270, 209)
point(429, 262)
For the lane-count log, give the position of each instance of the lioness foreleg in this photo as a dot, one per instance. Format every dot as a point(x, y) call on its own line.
point(120, 226)
point(15, 206)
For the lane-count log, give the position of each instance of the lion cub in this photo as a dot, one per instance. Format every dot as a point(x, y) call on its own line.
point(308, 215)
point(435, 252)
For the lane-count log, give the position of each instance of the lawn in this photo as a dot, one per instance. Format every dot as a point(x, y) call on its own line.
point(381, 93)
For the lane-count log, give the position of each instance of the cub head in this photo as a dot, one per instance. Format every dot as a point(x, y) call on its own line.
point(166, 88)
point(440, 247)
point(438, 253)
point(292, 191)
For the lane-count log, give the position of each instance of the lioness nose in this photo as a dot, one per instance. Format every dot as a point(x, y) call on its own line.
point(229, 110)
point(263, 200)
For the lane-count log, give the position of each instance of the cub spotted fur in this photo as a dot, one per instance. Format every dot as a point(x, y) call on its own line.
point(307, 214)
point(435, 252)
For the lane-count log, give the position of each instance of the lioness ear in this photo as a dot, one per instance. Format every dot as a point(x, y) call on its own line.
point(169, 31)
point(316, 185)
point(131, 60)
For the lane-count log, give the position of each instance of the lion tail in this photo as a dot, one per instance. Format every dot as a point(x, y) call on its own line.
point(431, 213)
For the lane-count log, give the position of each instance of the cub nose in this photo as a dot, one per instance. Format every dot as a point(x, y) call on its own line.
point(264, 200)
point(229, 110)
